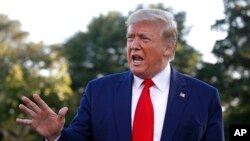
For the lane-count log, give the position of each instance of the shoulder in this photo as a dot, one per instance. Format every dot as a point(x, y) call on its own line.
point(199, 91)
point(192, 83)
point(105, 86)
point(112, 78)
point(197, 82)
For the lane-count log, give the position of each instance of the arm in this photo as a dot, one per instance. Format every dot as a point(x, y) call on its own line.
point(79, 129)
point(215, 129)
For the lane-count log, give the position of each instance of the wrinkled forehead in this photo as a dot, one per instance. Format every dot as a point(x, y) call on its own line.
point(145, 27)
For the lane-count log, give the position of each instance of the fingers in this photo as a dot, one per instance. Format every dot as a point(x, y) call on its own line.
point(41, 103)
point(62, 112)
point(27, 110)
point(24, 121)
point(30, 104)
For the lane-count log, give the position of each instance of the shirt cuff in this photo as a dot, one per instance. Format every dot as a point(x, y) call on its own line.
point(55, 139)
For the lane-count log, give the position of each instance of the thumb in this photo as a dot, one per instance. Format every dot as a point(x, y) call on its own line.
point(62, 112)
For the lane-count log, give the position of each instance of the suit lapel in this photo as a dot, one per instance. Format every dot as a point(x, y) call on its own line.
point(175, 107)
point(122, 105)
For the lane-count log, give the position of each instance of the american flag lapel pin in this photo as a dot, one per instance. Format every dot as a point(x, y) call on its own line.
point(182, 95)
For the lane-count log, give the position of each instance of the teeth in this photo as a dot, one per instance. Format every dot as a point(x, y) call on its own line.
point(137, 58)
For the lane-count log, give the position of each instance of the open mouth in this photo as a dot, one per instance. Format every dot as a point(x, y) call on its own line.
point(137, 59)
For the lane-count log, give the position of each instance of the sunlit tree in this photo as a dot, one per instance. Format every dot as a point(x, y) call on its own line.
point(231, 72)
point(27, 68)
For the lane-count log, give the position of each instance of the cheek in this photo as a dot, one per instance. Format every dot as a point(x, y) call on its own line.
point(128, 53)
point(156, 56)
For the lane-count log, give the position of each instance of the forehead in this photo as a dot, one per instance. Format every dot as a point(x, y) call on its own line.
point(146, 27)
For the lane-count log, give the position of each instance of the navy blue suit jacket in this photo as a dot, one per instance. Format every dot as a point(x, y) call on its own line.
point(193, 111)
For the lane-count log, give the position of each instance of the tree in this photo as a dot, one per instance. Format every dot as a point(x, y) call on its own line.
point(232, 71)
point(98, 51)
point(233, 54)
point(27, 68)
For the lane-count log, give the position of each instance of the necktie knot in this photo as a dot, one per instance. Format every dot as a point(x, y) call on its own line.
point(148, 82)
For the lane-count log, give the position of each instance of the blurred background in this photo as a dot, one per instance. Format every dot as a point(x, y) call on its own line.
point(54, 48)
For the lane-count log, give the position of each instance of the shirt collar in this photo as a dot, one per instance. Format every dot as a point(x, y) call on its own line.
point(161, 80)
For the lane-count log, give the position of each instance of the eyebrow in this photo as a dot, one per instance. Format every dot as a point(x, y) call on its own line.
point(141, 34)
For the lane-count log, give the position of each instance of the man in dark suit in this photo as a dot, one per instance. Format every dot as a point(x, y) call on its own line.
point(112, 108)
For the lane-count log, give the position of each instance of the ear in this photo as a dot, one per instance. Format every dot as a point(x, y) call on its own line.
point(169, 48)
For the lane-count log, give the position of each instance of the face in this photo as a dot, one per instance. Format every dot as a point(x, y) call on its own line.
point(147, 52)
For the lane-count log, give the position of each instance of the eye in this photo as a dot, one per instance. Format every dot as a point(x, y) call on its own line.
point(130, 38)
point(145, 39)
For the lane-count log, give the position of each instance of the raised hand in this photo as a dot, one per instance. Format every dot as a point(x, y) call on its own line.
point(43, 119)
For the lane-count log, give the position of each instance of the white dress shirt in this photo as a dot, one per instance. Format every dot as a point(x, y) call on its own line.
point(159, 96)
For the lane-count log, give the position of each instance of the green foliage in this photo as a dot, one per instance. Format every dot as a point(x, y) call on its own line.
point(99, 51)
point(233, 54)
point(187, 57)
point(27, 68)
point(231, 73)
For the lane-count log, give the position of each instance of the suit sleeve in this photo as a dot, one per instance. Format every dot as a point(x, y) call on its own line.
point(215, 129)
point(79, 129)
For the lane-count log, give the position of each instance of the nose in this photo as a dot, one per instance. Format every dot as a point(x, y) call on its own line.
point(134, 44)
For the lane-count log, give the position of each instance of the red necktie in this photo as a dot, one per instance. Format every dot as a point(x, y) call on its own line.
point(143, 126)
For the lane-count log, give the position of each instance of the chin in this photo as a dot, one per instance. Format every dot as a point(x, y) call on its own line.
point(138, 73)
